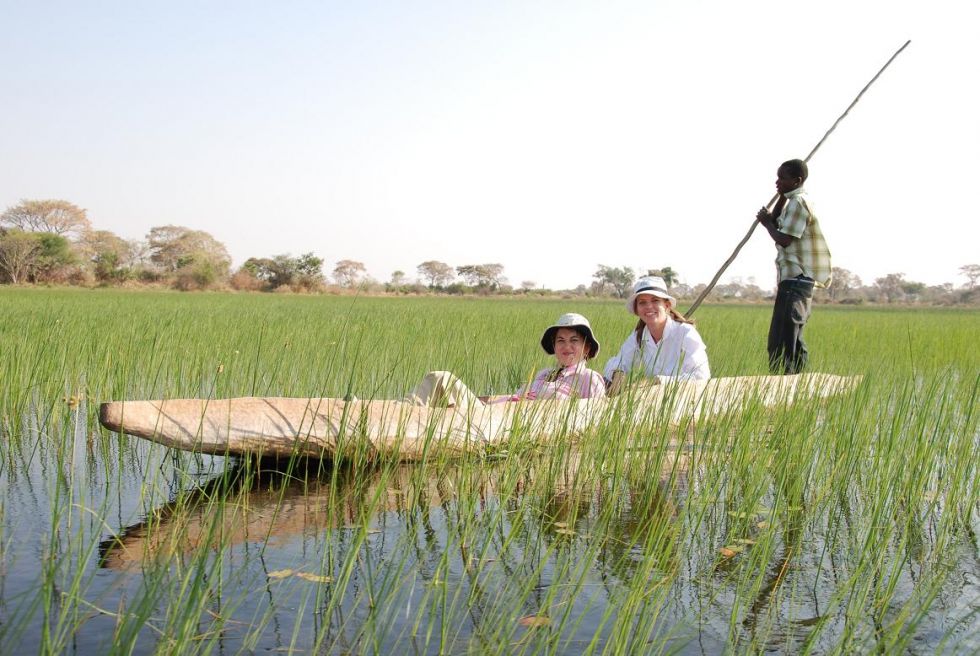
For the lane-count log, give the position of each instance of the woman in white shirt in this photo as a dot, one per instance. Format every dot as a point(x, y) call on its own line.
point(664, 342)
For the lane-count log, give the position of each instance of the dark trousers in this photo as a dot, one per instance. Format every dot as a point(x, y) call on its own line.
point(787, 350)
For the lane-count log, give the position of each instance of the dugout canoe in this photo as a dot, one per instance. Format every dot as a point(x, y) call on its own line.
point(335, 428)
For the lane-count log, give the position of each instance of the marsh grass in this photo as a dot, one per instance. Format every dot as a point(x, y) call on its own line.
point(832, 527)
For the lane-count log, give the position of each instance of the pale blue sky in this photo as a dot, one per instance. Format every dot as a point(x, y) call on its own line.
point(548, 136)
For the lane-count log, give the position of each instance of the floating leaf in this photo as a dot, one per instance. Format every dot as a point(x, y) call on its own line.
point(762, 525)
point(280, 573)
point(560, 524)
point(730, 551)
point(745, 541)
point(534, 621)
point(316, 578)
point(564, 531)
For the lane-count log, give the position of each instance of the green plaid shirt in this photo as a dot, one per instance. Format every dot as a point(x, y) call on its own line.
point(808, 254)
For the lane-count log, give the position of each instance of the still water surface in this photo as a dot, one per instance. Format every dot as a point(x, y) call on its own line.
point(139, 544)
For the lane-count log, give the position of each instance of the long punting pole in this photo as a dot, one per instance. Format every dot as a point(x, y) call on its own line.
point(769, 205)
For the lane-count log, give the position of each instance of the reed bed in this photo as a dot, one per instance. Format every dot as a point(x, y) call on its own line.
point(845, 526)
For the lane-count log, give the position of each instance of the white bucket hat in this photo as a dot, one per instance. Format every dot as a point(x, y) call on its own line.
point(652, 285)
point(570, 320)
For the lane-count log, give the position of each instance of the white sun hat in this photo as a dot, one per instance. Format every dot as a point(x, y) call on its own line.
point(652, 285)
point(570, 320)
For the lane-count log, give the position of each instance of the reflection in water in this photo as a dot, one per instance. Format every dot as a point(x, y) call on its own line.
point(477, 544)
point(273, 506)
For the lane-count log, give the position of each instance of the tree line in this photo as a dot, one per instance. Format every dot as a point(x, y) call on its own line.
point(53, 242)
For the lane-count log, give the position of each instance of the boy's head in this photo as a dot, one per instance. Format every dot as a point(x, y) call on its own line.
point(791, 175)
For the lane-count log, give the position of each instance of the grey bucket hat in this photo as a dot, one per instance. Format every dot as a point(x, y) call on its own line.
point(570, 320)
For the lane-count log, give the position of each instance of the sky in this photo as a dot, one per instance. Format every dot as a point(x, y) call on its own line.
point(550, 137)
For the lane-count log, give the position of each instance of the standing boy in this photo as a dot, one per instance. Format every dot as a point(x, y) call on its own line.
point(802, 260)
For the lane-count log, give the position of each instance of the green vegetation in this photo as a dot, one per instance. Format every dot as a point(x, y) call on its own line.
point(840, 527)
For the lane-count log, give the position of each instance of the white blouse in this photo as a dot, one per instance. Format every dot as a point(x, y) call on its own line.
point(680, 353)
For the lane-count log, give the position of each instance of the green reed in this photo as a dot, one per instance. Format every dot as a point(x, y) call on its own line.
point(633, 537)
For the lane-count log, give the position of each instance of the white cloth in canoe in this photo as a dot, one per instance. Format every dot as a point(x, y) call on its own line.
point(443, 389)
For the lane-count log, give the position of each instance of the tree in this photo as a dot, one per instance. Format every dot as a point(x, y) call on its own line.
point(911, 289)
point(175, 247)
point(972, 273)
point(397, 278)
point(891, 286)
point(55, 216)
point(54, 258)
point(310, 270)
point(619, 279)
point(528, 285)
point(841, 282)
point(111, 256)
point(305, 271)
point(484, 276)
point(349, 272)
point(669, 275)
point(18, 254)
point(33, 256)
point(438, 274)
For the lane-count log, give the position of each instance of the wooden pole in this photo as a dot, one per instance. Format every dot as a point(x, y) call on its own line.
point(745, 239)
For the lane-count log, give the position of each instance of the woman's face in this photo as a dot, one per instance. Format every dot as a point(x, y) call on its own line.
point(652, 310)
point(569, 347)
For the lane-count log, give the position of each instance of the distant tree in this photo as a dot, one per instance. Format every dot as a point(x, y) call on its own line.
point(620, 280)
point(681, 290)
point(110, 255)
point(33, 256)
point(842, 281)
point(19, 251)
point(438, 274)
point(397, 278)
point(56, 256)
point(669, 275)
point(528, 285)
point(310, 270)
point(260, 268)
point(972, 273)
point(175, 247)
point(911, 290)
point(55, 216)
point(485, 276)
point(349, 272)
point(891, 286)
point(305, 271)
point(939, 294)
point(737, 288)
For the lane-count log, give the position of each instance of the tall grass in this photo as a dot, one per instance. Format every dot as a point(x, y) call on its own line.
point(833, 527)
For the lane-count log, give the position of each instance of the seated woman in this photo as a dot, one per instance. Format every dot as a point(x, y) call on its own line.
point(664, 343)
point(569, 339)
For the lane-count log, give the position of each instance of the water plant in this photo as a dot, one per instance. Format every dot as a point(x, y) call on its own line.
point(842, 526)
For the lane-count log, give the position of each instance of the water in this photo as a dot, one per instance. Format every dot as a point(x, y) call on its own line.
point(113, 541)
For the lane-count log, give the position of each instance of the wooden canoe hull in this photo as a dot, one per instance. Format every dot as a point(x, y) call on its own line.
point(328, 427)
